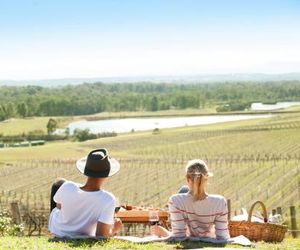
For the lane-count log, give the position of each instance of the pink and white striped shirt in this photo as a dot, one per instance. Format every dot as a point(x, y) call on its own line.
point(202, 218)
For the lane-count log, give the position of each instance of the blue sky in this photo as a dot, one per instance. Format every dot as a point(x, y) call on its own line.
point(42, 39)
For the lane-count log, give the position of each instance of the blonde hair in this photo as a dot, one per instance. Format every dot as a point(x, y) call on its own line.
point(197, 171)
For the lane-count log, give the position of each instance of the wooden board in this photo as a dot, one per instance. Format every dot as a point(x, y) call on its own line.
point(139, 216)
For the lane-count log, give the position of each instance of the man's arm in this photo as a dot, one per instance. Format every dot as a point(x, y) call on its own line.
point(107, 230)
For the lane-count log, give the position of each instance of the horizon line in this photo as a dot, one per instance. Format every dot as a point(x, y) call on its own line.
point(150, 76)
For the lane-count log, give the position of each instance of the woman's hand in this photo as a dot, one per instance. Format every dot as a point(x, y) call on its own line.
point(159, 231)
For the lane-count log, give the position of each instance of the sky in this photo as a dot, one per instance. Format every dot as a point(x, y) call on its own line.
point(50, 39)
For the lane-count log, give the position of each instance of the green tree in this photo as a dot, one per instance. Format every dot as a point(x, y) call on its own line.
point(154, 104)
point(22, 109)
point(83, 135)
point(51, 126)
point(2, 113)
point(89, 98)
point(7, 111)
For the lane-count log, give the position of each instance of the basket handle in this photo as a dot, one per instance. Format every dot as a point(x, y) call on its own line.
point(265, 214)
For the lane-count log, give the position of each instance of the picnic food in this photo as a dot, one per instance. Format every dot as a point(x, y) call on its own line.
point(128, 213)
point(128, 207)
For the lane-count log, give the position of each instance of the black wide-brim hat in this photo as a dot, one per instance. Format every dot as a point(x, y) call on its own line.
point(98, 164)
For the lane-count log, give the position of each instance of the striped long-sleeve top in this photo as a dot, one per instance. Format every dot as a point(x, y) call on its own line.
point(202, 218)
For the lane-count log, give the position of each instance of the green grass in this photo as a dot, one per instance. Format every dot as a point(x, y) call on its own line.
point(20, 126)
point(48, 243)
point(17, 126)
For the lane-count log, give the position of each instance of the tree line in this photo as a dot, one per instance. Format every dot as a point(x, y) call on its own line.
point(89, 98)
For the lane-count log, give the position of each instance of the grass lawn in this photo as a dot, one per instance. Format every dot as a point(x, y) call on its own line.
point(47, 243)
point(17, 126)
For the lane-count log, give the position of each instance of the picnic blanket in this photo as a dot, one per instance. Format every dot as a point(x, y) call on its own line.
point(240, 240)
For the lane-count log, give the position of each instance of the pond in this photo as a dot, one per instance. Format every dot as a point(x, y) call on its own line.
point(258, 106)
point(142, 124)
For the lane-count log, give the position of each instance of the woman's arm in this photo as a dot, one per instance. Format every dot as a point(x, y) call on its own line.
point(178, 222)
point(159, 231)
point(221, 222)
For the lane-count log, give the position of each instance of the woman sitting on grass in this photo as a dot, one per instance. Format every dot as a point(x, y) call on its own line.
point(194, 212)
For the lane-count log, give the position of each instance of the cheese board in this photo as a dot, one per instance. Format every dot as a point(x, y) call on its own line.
point(133, 214)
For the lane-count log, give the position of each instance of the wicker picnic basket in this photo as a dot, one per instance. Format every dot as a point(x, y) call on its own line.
point(257, 231)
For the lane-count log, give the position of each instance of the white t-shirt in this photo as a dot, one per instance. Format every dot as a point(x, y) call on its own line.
point(80, 211)
point(202, 218)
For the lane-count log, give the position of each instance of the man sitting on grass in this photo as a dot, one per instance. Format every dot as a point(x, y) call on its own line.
point(86, 210)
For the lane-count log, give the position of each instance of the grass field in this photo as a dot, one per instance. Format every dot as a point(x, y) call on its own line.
point(24, 126)
point(251, 160)
point(19, 126)
point(17, 243)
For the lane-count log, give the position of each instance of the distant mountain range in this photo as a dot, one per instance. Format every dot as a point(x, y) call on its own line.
point(172, 79)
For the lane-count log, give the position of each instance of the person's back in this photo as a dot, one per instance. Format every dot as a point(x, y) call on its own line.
point(88, 210)
point(80, 211)
point(201, 218)
point(194, 212)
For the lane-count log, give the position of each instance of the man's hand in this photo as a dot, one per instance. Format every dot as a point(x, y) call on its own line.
point(107, 230)
point(117, 226)
point(58, 205)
